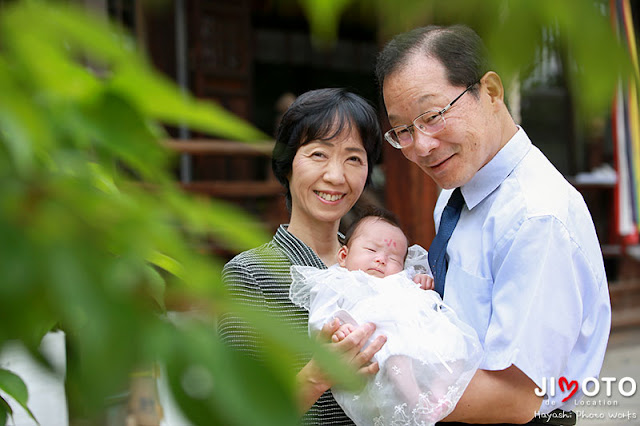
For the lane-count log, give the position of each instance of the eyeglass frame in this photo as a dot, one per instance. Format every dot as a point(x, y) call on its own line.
point(397, 145)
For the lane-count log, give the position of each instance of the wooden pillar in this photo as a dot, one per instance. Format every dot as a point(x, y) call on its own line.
point(411, 195)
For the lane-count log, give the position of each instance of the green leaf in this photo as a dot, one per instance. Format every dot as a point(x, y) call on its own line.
point(167, 263)
point(159, 98)
point(271, 330)
point(235, 390)
point(324, 17)
point(231, 225)
point(5, 411)
point(13, 386)
point(20, 121)
point(77, 30)
point(131, 140)
point(103, 180)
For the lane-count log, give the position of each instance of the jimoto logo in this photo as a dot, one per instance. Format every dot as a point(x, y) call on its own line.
point(590, 386)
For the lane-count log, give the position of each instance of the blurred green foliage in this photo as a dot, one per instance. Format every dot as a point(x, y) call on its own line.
point(96, 236)
point(513, 32)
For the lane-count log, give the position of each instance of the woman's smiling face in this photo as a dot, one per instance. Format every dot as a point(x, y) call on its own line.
point(327, 177)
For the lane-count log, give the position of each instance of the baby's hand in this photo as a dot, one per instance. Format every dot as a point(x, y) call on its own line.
point(424, 280)
point(342, 332)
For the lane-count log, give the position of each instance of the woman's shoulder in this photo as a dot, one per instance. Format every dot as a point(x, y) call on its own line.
point(264, 260)
point(267, 253)
point(264, 267)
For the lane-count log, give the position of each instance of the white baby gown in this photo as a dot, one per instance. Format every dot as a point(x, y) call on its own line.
point(429, 357)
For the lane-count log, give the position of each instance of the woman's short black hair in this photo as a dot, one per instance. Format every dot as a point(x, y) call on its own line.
point(323, 114)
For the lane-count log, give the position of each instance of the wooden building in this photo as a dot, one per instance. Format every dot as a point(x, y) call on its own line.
point(252, 55)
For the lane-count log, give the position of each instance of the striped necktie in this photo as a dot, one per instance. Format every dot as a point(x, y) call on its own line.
point(438, 259)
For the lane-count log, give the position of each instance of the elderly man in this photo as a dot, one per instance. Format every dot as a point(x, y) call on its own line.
point(516, 254)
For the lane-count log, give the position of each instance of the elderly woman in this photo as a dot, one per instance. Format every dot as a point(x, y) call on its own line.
point(327, 143)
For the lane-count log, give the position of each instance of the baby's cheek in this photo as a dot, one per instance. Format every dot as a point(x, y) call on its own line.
point(395, 269)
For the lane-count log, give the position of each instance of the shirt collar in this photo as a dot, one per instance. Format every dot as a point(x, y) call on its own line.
point(489, 177)
point(298, 252)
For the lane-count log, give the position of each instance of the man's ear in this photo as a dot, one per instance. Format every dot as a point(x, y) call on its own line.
point(493, 86)
point(342, 255)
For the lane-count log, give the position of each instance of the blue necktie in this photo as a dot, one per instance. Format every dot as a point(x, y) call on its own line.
point(438, 260)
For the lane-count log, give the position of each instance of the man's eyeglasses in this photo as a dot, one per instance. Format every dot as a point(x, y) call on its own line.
point(429, 123)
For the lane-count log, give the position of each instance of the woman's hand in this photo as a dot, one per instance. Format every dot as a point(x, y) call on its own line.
point(351, 346)
point(313, 382)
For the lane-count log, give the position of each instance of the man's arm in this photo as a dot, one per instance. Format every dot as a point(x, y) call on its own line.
point(543, 285)
point(504, 396)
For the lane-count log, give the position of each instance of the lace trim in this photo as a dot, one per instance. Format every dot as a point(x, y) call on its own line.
point(426, 412)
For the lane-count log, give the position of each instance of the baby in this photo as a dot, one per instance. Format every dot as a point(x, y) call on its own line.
point(430, 355)
point(376, 245)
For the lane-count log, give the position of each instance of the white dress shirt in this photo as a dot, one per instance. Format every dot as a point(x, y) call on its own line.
point(526, 271)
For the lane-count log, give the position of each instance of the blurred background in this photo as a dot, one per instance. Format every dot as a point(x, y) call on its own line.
point(254, 56)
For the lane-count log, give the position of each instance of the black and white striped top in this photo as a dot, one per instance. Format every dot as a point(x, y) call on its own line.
point(260, 278)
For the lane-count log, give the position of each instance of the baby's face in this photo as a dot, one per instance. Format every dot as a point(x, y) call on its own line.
point(377, 248)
